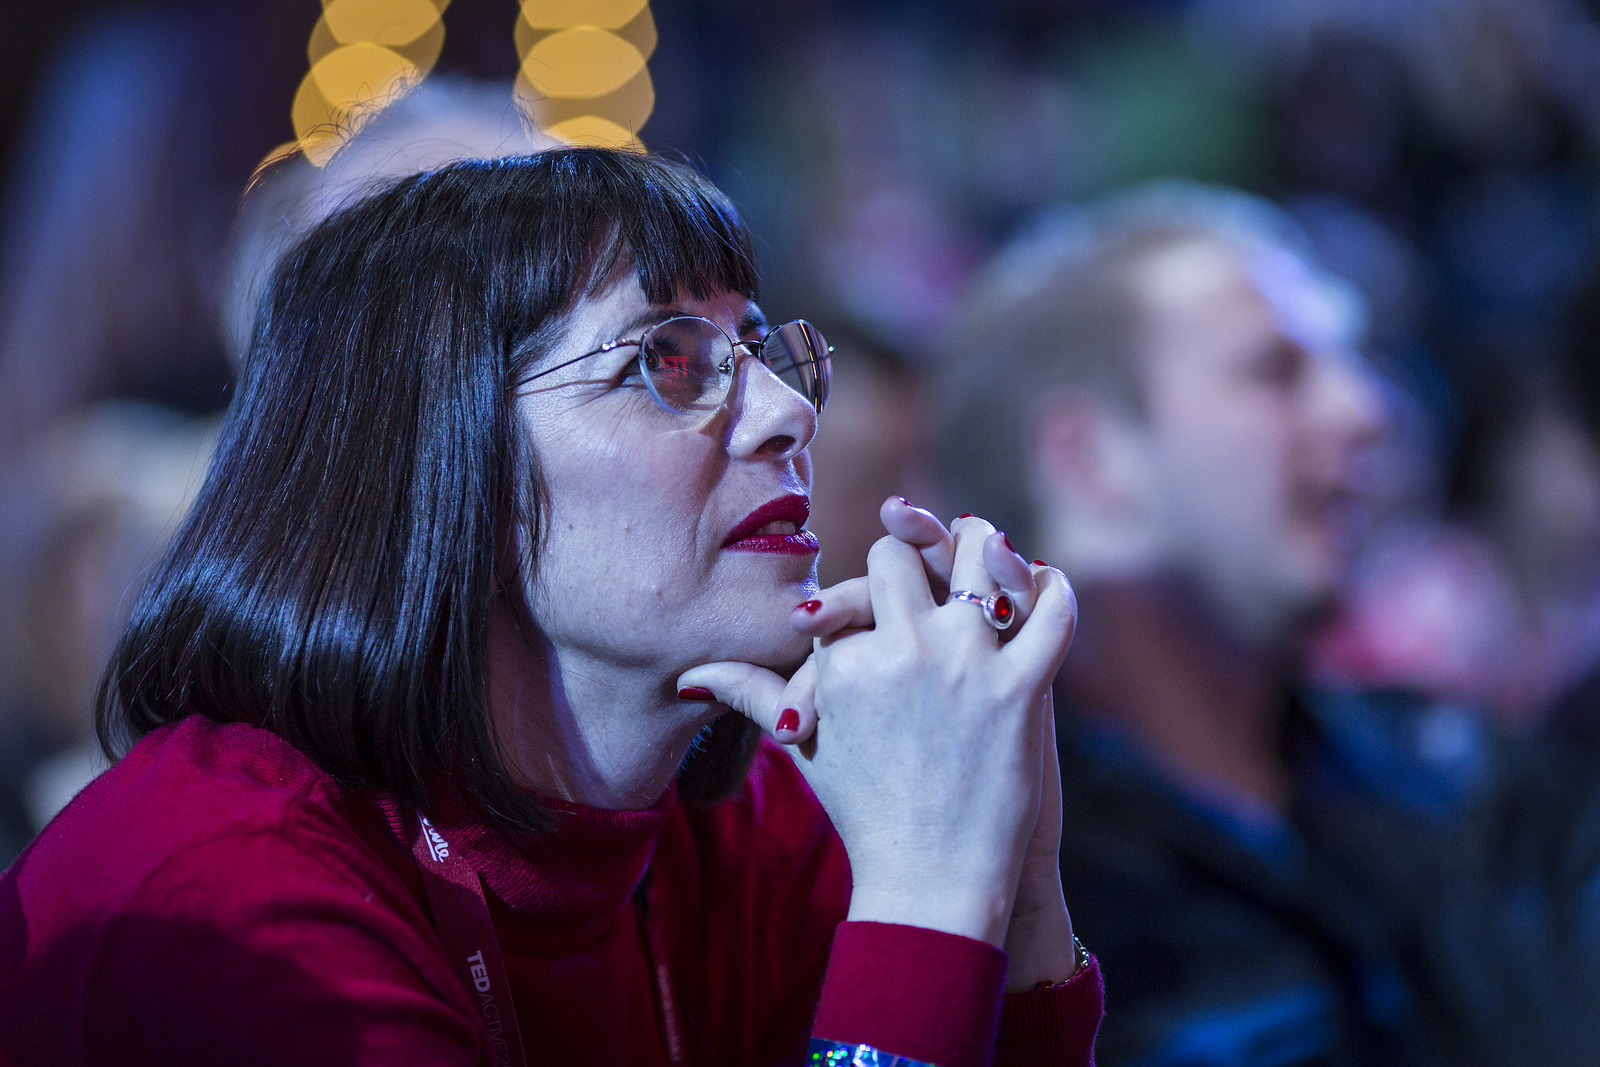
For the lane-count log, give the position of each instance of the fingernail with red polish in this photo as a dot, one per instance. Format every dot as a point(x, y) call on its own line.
point(695, 692)
point(789, 721)
point(1007, 540)
point(965, 515)
point(810, 607)
point(1040, 563)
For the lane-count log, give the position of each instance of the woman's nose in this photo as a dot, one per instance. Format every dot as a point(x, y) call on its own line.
point(769, 418)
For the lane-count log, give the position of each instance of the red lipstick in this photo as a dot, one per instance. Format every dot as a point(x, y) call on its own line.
point(776, 526)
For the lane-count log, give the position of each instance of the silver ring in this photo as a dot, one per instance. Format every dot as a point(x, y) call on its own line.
point(999, 610)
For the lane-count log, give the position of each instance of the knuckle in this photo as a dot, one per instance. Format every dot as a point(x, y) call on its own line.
point(1056, 610)
point(851, 661)
point(1057, 579)
point(905, 658)
point(884, 550)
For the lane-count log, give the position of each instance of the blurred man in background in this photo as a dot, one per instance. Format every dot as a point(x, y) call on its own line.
point(879, 443)
point(1164, 399)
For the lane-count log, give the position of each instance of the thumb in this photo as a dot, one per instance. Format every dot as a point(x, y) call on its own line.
point(783, 708)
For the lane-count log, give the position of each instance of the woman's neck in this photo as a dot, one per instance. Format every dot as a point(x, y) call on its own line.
point(587, 732)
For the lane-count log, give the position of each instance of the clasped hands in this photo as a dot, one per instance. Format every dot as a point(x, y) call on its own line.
point(928, 741)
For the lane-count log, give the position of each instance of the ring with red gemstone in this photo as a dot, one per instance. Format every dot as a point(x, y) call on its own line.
point(998, 609)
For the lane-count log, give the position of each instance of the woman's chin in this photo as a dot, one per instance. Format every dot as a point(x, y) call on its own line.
point(788, 658)
point(754, 627)
point(781, 650)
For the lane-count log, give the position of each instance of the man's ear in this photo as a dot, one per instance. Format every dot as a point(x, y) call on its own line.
point(1087, 451)
point(1093, 476)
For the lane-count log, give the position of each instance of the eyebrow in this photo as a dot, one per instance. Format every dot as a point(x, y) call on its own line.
point(751, 320)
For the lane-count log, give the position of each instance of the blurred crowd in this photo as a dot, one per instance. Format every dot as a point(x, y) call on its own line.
point(1273, 323)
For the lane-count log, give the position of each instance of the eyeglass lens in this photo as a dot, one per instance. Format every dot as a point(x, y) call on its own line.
point(798, 354)
point(689, 362)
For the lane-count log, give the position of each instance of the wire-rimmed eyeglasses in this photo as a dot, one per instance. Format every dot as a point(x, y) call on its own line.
point(688, 362)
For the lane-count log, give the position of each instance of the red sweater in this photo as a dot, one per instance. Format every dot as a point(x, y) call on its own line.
point(215, 897)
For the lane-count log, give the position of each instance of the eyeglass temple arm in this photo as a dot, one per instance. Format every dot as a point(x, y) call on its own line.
point(609, 346)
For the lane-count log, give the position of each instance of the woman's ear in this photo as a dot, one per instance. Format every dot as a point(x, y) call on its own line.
point(519, 524)
point(508, 541)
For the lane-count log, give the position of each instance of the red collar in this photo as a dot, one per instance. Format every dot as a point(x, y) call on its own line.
point(586, 869)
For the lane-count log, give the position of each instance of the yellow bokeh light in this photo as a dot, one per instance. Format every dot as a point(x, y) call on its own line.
point(439, 5)
point(594, 130)
point(315, 123)
point(387, 22)
point(628, 107)
point(582, 62)
point(310, 109)
point(640, 31)
point(364, 54)
point(358, 74)
point(557, 14)
point(424, 51)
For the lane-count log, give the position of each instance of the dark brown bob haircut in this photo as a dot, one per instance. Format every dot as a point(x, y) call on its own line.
point(333, 580)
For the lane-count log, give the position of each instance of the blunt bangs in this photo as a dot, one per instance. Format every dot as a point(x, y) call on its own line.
point(680, 232)
point(332, 582)
point(608, 212)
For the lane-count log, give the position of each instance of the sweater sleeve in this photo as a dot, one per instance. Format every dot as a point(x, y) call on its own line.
point(1055, 1025)
point(937, 998)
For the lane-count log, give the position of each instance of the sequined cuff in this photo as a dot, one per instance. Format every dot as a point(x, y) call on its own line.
point(825, 1053)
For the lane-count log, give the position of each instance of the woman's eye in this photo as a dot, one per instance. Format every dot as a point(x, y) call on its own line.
point(637, 366)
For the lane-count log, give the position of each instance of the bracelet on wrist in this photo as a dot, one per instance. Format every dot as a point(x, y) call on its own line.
point(1080, 959)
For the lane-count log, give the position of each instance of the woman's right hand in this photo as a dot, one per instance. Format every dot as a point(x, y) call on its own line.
point(927, 750)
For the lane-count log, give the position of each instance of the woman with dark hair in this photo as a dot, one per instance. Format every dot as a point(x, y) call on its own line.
point(431, 757)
